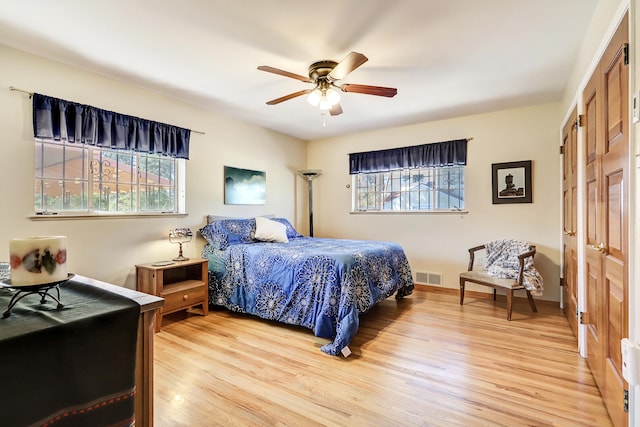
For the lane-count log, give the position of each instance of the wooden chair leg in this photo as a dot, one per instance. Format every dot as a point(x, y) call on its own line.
point(532, 303)
point(461, 290)
point(509, 303)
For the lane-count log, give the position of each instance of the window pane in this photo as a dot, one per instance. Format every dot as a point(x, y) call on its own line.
point(157, 183)
point(76, 195)
point(157, 198)
point(51, 194)
point(416, 189)
point(449, 194)
point(119, 177)
point(78, 177)
point(38, 202)
point(101, 196)
point(61, 173)
point(49, 161)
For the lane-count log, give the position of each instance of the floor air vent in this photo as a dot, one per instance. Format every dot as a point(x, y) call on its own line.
point(427, 278)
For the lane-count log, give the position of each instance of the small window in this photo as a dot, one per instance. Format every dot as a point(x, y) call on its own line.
point(84, 179)
point(419, 189)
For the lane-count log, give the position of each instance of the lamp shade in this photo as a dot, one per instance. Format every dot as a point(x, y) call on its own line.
point(309, 173)
point(333, 96)
point(324, 103)
point(314, 97)
point(324, 97)
point(180, 236)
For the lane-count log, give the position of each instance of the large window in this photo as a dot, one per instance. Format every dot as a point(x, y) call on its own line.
point(423, 178)
point(86, 179)
point(418, 189)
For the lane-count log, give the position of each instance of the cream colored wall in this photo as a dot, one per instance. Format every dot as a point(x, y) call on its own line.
point(108, 249)
point(439, 242)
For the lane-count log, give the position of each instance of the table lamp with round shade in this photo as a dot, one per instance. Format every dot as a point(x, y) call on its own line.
point(180, 236)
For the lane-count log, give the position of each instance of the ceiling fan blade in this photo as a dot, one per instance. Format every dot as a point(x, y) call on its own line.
point(347, 65)
point(284, 73)
point(389, 92)
point(288, 97)
point(335, 110)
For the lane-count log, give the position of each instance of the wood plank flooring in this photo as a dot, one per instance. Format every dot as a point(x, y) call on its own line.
point(422, 361)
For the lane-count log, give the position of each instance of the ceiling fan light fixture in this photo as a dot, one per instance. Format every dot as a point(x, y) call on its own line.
point(333, 96)
point(324, 75)
point(314, 97)
point(329, 98)
point(325, 105)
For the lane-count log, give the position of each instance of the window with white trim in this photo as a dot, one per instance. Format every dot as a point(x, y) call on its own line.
point(418, 189)
point(86, 179)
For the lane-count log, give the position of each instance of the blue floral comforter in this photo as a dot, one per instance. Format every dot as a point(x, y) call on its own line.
point(321, 284)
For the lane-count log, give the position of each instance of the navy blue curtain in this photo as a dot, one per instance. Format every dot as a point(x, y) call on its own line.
point(58, 119)
point(447, 153)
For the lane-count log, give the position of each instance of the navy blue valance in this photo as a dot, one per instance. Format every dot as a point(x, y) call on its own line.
point(58, 119)
point(447, 153)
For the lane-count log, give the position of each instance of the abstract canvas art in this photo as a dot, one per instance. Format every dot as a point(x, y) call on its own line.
point(244, 186)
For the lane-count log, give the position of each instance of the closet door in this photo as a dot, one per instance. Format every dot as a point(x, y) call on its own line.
point(570, 219)
point(615, 207)
point(606, 101)
point(592, 317)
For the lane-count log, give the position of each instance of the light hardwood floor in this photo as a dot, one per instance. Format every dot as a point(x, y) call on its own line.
point(422, 361)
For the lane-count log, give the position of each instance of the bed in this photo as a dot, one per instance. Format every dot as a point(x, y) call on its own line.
point(264, 267)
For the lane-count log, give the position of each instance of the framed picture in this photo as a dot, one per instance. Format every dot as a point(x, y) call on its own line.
point(244, 186)
point(512, 182)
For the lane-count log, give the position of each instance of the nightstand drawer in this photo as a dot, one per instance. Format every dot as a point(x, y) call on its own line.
point(179, 298)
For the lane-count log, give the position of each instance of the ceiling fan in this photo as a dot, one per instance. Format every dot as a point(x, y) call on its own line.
point(324, 75)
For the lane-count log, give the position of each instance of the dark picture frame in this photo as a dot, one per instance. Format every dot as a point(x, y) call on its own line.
point(511, 182)
point(244, 186)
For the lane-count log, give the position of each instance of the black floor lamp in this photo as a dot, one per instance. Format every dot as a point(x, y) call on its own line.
point(309, 175)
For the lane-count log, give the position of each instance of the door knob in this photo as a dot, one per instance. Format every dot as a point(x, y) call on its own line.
point(600, 248)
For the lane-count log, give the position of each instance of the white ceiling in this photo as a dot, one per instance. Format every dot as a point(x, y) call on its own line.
point(446, 57)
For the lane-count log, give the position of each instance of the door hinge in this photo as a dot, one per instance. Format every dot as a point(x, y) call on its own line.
point(626, 53)
point(562, 149)
point(583, 318)
point(626, 401)
point(580, 121)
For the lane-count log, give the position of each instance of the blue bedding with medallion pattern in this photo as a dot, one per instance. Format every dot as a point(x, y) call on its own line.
point(320, 284)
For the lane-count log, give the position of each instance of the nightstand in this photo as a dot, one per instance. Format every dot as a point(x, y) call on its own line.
point(182, 284)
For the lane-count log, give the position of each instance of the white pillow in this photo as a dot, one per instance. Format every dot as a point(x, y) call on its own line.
point(270, 231)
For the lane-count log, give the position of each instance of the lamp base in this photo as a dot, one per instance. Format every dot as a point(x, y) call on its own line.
point(180, 257)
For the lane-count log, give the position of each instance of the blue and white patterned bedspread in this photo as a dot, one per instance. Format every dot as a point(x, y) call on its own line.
point(321, 284)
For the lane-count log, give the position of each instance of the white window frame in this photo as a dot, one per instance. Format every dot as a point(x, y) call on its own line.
point(399, 197)
point(95, 176)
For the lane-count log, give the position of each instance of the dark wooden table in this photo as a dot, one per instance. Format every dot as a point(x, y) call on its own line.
point(88, 362)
